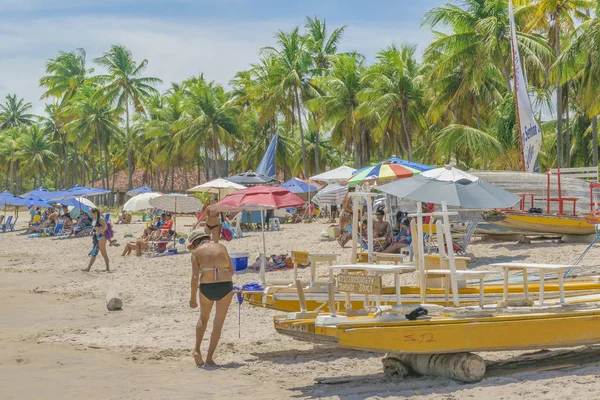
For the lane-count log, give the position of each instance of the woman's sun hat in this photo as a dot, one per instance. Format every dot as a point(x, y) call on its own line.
point(197, 234)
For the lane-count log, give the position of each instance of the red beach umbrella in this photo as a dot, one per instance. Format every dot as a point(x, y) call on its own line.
point(259, 198)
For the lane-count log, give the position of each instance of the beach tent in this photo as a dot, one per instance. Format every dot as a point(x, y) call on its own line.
point(342, 173)
point(259, 198)
point(333, 194)
point(138, 190)
point(475, 195)
point(221, 187)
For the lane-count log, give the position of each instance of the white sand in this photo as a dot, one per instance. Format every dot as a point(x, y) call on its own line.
point(57, 340)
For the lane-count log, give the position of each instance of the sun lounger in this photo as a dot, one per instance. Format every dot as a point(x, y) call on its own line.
point(4, 226)
point(11, 225)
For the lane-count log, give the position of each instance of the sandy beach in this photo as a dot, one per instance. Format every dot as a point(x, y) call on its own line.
point(57, 339)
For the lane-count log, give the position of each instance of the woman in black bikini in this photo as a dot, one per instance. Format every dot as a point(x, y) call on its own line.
point(212, 274)
point(98, 240)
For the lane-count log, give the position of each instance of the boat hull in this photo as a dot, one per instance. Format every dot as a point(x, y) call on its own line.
point(451, 335)
point(541, 223)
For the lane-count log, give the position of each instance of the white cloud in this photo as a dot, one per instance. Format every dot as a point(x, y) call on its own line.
point(175, 49)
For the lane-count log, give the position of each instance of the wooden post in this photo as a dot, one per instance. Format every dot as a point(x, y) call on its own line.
point(331, 298)
point(450, 250)
point(421, 249)
point(354, 228)
point(113, 301)
point(465, 367)
point(370, 228)
point(301, 297)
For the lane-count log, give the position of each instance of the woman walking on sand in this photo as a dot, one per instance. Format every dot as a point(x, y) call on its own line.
point(212, 274)
point(98, 239)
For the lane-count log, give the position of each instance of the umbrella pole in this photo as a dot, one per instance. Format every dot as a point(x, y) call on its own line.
point(354, 227)
point(263, 261)
point(370, 227)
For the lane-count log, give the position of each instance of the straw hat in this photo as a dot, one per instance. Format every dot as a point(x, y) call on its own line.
point(197, 234)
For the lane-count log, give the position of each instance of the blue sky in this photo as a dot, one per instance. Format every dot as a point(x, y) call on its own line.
point(181, 38)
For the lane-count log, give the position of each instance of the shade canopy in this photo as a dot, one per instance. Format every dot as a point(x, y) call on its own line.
point(296, 185)
point(140, 202)
point(381, 173)
point(41, 193)
point(250, 178)
point(450, 174)
point(477, 195)
point(82, 191)
point(6, 197)
point(32, 202)
point(221, 187)
point(332, 194)
point(259, 198)
point(138, 190)
point(176, 203)
point(342, 173)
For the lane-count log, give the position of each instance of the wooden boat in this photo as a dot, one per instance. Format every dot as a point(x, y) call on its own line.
point(541, 223)
point(448, 334)
point(285, 298)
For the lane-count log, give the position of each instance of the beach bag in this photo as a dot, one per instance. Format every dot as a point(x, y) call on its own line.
point(227, 232)
point(109, 232)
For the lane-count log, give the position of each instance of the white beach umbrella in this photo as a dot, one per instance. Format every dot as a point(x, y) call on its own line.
point(338, 174)
point(449, 174)
point(332, 194)
point(140, 202)
point(221, 187)
point(176, 203)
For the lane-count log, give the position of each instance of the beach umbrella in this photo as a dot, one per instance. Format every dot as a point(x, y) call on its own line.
point(221, 187)
point(478, 194)
point(79, 202)
point(259, 198)
point(6, 196)
point(176, 203)
point(32, 202)
point(342, 173)
point(140, 202)
point(138, 190)
point(81, 191)
point(41, 193)
point(296, 185)
point(450, 174)
point(250, 178)
point(332, 194)
point(382, 172)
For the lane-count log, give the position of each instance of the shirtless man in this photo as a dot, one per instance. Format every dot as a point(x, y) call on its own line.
point(212, 273)
point(382, 232)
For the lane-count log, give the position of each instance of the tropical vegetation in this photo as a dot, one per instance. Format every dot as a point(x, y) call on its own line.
point(453, 102)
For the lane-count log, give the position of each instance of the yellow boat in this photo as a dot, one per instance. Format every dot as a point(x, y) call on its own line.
point(448, 334)
point(285, 298)
point(541, 223)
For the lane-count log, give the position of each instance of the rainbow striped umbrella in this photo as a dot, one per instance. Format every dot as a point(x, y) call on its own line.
point(382, 172)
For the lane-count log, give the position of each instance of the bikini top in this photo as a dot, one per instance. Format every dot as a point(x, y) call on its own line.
point(216, 269)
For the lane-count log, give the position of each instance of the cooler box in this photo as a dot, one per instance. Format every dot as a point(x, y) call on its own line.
point(239, 261)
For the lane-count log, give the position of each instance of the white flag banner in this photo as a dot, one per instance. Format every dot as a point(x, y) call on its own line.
point(531, 133)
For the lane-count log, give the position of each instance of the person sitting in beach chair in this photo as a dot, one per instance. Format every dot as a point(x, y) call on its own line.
point(83, 227)
point(124, 218)
point(142, 243)
point(212, 273)
point(35, 225)
point(402, 239)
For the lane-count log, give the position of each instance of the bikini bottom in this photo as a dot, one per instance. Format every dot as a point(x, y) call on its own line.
point(215, 291)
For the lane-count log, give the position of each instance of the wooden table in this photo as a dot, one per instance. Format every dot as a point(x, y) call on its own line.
point(460, 275)
point(542, 268)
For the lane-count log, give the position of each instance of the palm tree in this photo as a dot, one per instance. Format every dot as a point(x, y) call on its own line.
point(35, 152)
point(93, 119)
point(9, 146)
point(391, 96)
point(321, 47)
point(291, 65)
point(126, 87)
point(338, 105)
point(13, 113)
point(580, 61)
point(556, 17)
point(210, 119)
point(66, 74)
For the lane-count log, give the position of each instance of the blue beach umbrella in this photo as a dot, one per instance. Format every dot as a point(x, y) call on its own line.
point(138, 190)
point(295, 185)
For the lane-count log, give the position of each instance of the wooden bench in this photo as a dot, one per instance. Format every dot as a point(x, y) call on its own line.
point(542, 268)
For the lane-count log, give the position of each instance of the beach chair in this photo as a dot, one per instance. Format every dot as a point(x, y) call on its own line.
point(11, 226)
point(236, 224)
point(160, 244)
point(59, 228)
point(4, 226)
point(1, 219)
